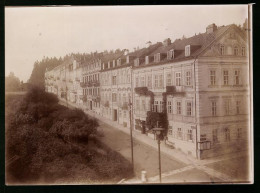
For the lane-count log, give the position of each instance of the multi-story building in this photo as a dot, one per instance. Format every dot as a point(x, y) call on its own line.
point(196, 88)
point(200, 85)
point(90, 83)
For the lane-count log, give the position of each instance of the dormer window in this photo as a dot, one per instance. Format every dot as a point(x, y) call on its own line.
point(114, 63)
point(235, 50)
point(157, 57)
point(136, 62)
point(170, 54)
point(222, 49)
point(187, 50)
point(146, 59)
point(119, 62)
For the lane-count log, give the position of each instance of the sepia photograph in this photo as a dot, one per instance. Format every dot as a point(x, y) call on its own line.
point(125, 95)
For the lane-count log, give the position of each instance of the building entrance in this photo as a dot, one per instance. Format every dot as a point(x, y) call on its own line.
point(114, 115)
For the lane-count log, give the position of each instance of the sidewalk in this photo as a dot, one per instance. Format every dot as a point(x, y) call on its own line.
point(191, 162)
point(173, 153)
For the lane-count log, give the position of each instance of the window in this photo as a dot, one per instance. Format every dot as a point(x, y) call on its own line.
point(212, 77)
point(236, 77)
point(149, 81)
point(168, 79)
point(114, 63)
point(156, 81)
point(124, 98)
point(113, 97)
point(142, 81)
point(179, 133)
point(158, 106)
point(169, 107)
point(222, 49)
point(243, 51)
point(189, 135)
point(227, 107)
point(124, 114)
point(215, 135)
point(170, 54)
point(136, 82)
point(137, 105)
point(236, 51)
point(179, 108)
point(143, 105)
point(178, 79)
point(238, 107)
point(119, 62)
point(239, 133)
point(188, 109)
point(160, 81)
point(213, 108)
point(187, 50)
point(119, 98)
point(225, 77)
point(227, 134)
point(113, 80)
point(157, 57)
point(136, 62)
point(170, 130)
point(188, 78)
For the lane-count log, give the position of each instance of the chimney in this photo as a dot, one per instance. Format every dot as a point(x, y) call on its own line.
point(126, 52)
point(149, 43)
point(167, 42)
point(211, 28)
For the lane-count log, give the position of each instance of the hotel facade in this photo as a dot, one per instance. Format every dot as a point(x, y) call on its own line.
point(196, 88)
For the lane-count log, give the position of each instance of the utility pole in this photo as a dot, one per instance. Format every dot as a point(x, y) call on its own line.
point(130, 118)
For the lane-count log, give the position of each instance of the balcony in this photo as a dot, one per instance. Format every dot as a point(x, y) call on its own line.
point(123, 106)
point(157, 108)
point(83, 84)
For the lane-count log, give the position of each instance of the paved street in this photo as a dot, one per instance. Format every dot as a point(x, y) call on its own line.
point(176, 167)
point(145, 157)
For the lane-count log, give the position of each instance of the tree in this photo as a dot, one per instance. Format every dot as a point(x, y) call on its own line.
point(12, 83)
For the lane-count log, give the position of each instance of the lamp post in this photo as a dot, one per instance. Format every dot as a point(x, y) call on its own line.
point(131, 134)
point(158, 132)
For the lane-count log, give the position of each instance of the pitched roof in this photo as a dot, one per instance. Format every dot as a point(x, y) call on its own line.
point(198, 44)
point(110, 57)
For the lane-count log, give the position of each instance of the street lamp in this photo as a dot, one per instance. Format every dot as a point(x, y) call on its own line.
point(158, 132)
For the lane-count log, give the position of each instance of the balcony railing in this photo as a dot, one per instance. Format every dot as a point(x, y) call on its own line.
point(83, 84)
point(157, 108)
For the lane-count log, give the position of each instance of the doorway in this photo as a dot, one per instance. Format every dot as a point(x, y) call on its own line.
point(114, 115)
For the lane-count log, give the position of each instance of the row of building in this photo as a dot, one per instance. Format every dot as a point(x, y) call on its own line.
point(196, 88)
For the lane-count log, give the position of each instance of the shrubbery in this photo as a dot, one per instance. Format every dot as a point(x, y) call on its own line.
point(44, 136)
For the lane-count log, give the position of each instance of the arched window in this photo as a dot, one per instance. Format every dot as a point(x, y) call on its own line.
point(222, 49)
point(235, 50)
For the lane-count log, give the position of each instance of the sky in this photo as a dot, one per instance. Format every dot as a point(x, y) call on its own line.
point(34, 32)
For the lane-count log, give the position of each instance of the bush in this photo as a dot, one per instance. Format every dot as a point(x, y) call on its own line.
point(41, 134)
